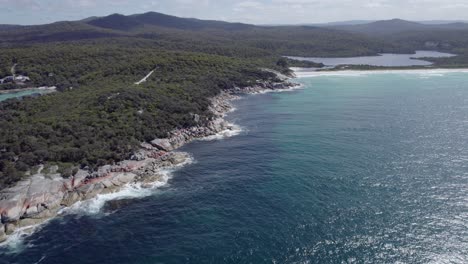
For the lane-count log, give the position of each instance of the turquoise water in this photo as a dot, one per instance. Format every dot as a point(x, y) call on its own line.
point(4, 97)
point(353, 168)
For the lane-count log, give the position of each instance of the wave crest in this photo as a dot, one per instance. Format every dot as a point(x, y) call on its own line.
point(15, 242)
point(130, 191)
point(232, 131)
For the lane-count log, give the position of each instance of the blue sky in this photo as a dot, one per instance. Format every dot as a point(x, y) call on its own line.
point(250, 11)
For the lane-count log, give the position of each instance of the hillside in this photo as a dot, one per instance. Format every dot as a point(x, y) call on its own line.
point(2, 27)
point(397, 26)
point(133, 22)
point(59, 31)
point(115, 21)
point(216, 37)
point(445, 36)
point(383, 27)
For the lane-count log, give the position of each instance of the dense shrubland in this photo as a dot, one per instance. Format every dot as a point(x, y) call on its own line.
point(100, 116)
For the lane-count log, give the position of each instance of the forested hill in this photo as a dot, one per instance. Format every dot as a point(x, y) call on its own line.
point(395, 26)
point(135, 22)
point(284, 40)
point(408, 35)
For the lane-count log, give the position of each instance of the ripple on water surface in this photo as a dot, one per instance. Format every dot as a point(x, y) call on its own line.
point(363, 169)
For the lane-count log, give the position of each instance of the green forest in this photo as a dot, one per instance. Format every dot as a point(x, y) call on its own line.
point(99, 116)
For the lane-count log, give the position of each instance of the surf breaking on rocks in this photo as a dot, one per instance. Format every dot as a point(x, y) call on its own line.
point(32, 202)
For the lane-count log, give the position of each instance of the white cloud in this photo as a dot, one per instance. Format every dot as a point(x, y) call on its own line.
point(252, 11)
point(249, 4)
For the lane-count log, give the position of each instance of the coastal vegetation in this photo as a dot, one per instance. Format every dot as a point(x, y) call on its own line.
point(100, 116)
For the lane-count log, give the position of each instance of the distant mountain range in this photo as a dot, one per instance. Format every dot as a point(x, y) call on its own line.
point(361, 22)
point(432, 22)
point(189, 33)
point(133, 22)
point(393, 26)
point(114, 25)
point(361, 36)
point(9, 26)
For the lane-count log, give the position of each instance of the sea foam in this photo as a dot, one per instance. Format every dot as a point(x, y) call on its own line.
point(227, 133)
point(15, 242)
point(236, 129)
point(130, 191)
point(290, 89)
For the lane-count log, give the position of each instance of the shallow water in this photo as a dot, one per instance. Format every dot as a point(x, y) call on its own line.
point(353, 168)
point(387, 60)
point(6, 96)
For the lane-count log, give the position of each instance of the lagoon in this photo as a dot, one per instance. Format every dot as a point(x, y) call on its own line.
point(27, 92)
point(384, 60)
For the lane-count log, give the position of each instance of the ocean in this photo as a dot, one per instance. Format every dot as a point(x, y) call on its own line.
point(353, 167)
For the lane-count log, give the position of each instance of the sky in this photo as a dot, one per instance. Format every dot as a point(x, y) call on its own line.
point(28, 12)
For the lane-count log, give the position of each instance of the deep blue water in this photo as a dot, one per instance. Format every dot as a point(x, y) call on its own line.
point(350, 169)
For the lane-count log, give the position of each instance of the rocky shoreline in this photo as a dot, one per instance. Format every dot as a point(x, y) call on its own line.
point(41, 197)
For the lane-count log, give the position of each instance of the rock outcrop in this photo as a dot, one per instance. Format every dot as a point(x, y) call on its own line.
point(39, 198)
point(3, 236)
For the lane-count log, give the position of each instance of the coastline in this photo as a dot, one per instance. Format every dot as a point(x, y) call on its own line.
point(43, 196)
point(307, 72)
point(34, 201)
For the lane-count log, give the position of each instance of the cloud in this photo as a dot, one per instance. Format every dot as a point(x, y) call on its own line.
point(249, 4)
point(251, 11)
point(28, 4)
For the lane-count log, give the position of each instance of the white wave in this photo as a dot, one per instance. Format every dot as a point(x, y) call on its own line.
point(130, 191)
point(40, 260)
point(234, 130)
point(304, 73)
point(15, 242)
point(233, 109)
point(266, 91)
point(94, 206)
